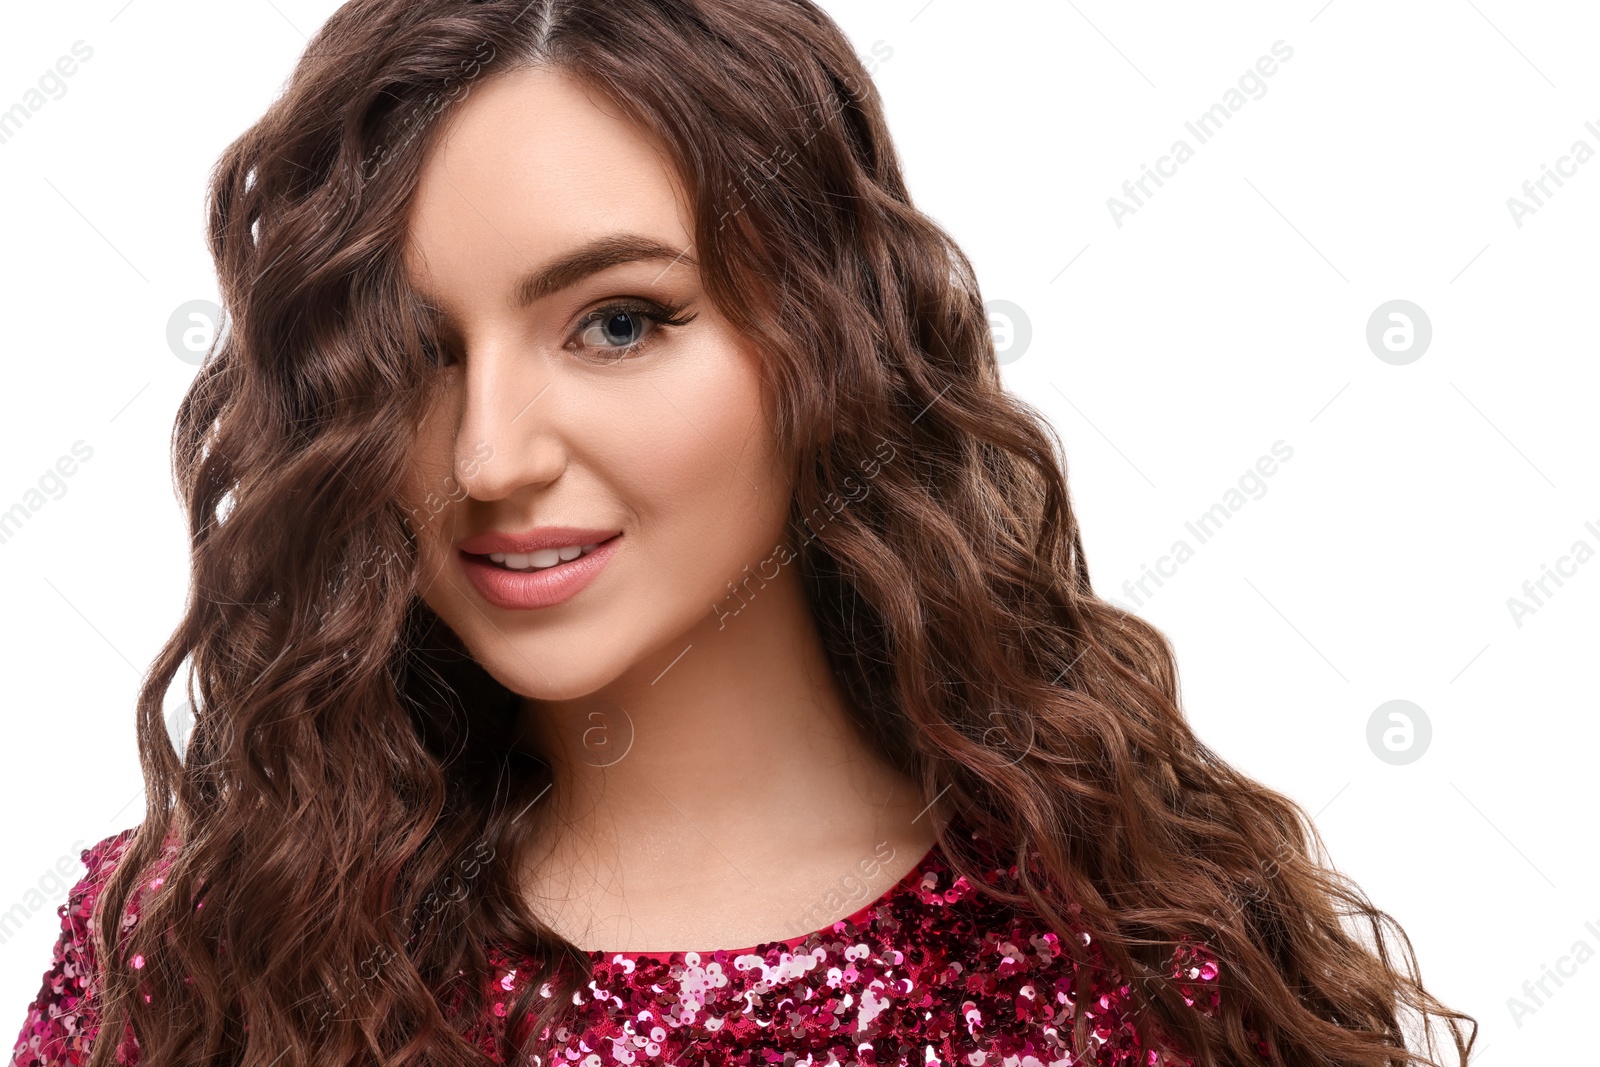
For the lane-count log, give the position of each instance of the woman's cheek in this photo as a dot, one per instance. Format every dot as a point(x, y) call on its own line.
point(702, 481)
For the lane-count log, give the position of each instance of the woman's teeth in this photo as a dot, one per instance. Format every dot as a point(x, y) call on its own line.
point(544, 557)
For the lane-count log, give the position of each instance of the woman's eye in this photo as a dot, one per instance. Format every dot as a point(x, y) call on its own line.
point(618, 331)
point(607, 334)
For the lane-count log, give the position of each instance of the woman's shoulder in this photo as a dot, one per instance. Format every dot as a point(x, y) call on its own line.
point(61, 1023)
point(1007, 975)
point(1021, 987)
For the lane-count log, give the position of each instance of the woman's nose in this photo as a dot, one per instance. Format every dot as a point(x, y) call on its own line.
point(510, 435)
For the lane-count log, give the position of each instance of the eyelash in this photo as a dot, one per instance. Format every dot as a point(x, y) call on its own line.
point(662, 315)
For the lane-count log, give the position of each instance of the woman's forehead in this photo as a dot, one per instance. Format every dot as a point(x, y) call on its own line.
point(528, 170)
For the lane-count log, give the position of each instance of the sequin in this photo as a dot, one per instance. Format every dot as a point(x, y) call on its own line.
point(931, 973)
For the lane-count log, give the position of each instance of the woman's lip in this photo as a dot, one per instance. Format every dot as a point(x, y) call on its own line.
point(525, 590)
point(534, 540)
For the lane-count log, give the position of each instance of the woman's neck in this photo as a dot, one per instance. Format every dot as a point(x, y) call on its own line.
point(716, 791)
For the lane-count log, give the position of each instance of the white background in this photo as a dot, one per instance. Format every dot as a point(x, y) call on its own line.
point(1227, 313)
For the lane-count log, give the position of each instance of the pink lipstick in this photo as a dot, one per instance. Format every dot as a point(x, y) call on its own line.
point(536, 569)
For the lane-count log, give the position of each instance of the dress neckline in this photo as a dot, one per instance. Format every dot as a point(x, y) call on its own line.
point(858, 918)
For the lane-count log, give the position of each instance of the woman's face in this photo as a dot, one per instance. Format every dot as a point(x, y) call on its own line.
point(553, 239)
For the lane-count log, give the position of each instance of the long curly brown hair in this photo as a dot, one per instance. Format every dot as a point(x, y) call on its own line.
point(347, 807)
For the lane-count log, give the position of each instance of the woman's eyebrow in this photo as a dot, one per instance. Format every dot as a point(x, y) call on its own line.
point(574, 266)
point(591, 258)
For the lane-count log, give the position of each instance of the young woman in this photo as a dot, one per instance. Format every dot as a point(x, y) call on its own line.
point(631, 624)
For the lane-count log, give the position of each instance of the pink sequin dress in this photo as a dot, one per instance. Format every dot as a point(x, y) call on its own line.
point(930, 972)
